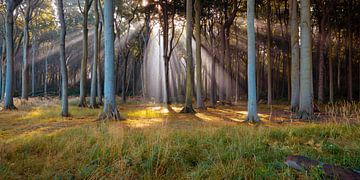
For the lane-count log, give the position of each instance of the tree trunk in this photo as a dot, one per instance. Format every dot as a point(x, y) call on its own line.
point(2, 56)
point(331, 76)
point(46, 74)
point(349, 53)
point(268, 53)
point(25, 73)
point(3, 69)
point(93, 103)
point(189, 59)
point(110, 109)
point(306, 75)
point(213, 74)
point(295, 57)
point(252, 107)
point(33, 47)
point(323, 37)
point(63, 67)
point(9, 102)
point(85, 54)
point(199, 99)
point(338, 83)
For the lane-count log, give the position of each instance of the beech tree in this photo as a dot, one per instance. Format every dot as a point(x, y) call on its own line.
point(63, 67)
point(188, 108)
point(85, 12)
point(110, 109)
point(199, 98)
point(93, 103)
point(8, 99)
point(295, 56)
point(306, 75)
point(252, 106)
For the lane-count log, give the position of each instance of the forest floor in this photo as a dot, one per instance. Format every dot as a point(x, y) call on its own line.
point(154, 143)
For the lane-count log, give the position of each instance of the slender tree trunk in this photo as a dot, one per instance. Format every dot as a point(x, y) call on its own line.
point(213, 74)
point(2, 57)
point(85, 54)
point(25, 67)
point(9, 102)
point(33, 79)
point(268, 53)
point(338, 83)
point(331, 76)
point(63, 67)
point(124, 77)
point(110, 109)
point(237, 68)
point(323, 37)
point(349, 53)
point(189, 59)
point(93, 103)
point(199, 99)
point(295, 57)
point(3, 70)
point(46, 74)
point(100, 63)
point(306, 75)
point(252, 107)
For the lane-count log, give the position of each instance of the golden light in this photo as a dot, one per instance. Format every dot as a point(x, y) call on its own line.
point(144, 3)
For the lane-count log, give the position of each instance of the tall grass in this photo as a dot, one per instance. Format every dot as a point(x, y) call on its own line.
point(113, 151)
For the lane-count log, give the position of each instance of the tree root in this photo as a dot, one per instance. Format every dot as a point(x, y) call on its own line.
point(83, 104)
point(64, 115)
point(94, 106)
point(111, 114)
point(294, 109)
point(252, 119)
point(10, 107)
point(304, 116)
point(188, 110)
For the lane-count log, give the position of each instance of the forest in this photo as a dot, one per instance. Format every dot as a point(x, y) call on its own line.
point(180, 89)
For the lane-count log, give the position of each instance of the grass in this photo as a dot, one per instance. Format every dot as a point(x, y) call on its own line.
point(156, 144)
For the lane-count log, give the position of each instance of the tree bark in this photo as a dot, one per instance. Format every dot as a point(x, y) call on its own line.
point(323, 37)
point(2, 57)
point(199, 99)
point(9, 25)
point(33, 79)
point(349, 53)
point(25, 67)
point(268, 53)
point(63, 67)
point(306, 75)
point(83, 73)
point(110, 109)
point(93, 103)
point(295, 56)
point(189, 59)
point(252, 106)
point(331, 76)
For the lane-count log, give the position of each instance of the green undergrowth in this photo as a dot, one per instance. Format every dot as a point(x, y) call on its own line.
point(112, 150)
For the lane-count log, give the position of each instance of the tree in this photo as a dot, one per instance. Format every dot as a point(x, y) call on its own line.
point(2, 56)
point(93, 103)
point(110, 109)
point(252, 107)
point(306, 75)
point(11, 6)
point(323, 36)
point(63, 67)
point(295, 55)
point(268, 53)
point(199, 100)
point(85, 13)
point(189, 60)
